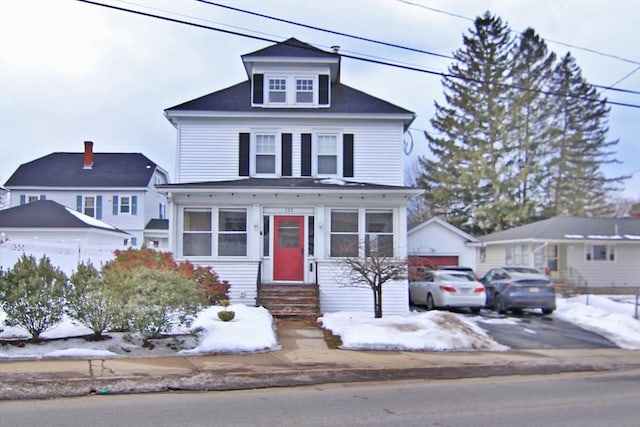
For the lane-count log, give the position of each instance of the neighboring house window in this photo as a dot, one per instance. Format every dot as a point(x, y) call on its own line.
point(304, 91)
point(162, 211)
point(265, 154)
point(600, 253)
point(125, 205)
point(197, 235)
point(552, 257)
point(89, 205)
point(232, 232)
point(344, 233)
point(517, 254)
point(327, 160)
point(277, 90)
point(379, 234)
point(28, 198)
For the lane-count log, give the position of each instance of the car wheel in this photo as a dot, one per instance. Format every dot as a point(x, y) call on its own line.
point(430, 303)
point(546, 311)
point(499, 305)
point(475, 310)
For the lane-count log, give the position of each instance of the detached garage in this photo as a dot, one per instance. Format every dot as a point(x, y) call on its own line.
point(435, 242)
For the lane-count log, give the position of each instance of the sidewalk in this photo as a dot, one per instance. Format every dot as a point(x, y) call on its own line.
point(304, 359)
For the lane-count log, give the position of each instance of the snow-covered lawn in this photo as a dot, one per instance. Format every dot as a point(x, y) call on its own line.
point(252, 330)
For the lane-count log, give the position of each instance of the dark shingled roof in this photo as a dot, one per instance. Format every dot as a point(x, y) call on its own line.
point(285, 183)
point(45, 214)
point(292, 48)
point(344, 100)
point(66, 170)
point(571, 228)
point(157, 224)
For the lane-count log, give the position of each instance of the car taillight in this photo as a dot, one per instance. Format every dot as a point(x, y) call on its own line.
point(479, 289)
point(447, 288)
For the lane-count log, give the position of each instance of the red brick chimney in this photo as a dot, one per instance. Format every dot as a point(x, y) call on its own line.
point(88, 155)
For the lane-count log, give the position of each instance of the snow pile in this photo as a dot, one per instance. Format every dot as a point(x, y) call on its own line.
point(434, 330)
point(603, 316)
point(251, 330)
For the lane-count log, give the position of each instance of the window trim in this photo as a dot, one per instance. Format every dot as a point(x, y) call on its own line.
point(214, 231)
point(316, 154)
point(268, 90)
point(362, 230)
point(291, 90)
point(610, 253)
point(277, 153)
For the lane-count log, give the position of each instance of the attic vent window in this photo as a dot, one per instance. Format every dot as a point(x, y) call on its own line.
point(277, 90)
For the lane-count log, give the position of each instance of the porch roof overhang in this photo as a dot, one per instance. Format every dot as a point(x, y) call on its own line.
point(318, 187)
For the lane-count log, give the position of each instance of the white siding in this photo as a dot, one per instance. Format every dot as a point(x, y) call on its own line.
point(494, 258)
point(241, 276)
point(434, 239)
point(208, 148)
point(337, 295)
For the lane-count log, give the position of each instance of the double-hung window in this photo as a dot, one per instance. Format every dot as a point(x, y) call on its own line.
point(232, 232)
point(304, 91)
point(350, 228)
point(125, 205)
point(379, 233)
point(277, 90)
point(197, 232)
point(344, 233)
point(327, 162)
point(89, 206)
point(229, 226)
point(600, 253)
point(265, 154)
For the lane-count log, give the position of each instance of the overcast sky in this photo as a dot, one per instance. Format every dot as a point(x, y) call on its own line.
point(71, 71)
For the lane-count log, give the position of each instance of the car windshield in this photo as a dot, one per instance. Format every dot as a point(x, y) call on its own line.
point(454, 276)
point(522, 270)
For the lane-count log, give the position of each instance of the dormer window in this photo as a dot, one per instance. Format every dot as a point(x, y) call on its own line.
point(290, 90)
point(277, 90)
point(304, 91)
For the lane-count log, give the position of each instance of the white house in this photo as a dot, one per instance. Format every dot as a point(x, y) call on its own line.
point(598, 252)
point(64, 235)
point(116, 188)
point(281, 176)
point(4, 198)
point(435, 242)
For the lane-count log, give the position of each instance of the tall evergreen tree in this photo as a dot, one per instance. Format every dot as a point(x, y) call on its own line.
point(578, 185)
point(465, 177)
point(532, 110)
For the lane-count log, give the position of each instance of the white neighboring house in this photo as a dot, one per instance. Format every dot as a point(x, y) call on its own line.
point(66, 236)
point(598, 252)
point(116, 188)
point(435, 242)
point(4, 198)
point(281, 176)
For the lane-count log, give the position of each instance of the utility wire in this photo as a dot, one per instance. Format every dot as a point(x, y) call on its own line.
point(326, 30)
point(358, 58)
point(609, 87)
point(586, 49)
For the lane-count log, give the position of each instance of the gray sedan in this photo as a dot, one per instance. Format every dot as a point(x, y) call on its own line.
point(510, 289)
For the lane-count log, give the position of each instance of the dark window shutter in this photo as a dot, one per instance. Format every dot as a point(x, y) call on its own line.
point(23, 199)
point(243, 161)
point(79, 204)
point(306, 155)
point(134, 205)
point(286, 154)
point(98, 207)
point(347, 155)
point(115, 205)
point(258, 88)
point(323, 95)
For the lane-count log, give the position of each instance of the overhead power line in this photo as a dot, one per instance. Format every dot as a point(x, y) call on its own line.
point(586, 49)
point(273, 18)
point(358, 58)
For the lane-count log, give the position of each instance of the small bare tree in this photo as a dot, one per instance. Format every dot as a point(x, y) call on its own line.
point(372, 268)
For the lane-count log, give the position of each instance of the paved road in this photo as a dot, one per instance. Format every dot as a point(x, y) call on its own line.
point(580, 400)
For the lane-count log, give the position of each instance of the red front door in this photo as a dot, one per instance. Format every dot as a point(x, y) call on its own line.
point(288, 253)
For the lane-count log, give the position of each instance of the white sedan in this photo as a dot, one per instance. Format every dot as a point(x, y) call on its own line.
point(435, 289)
